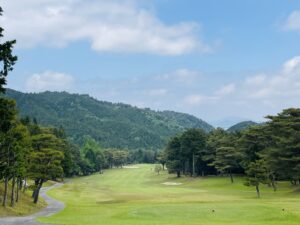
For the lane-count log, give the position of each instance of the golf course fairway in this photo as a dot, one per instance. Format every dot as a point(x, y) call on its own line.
point(139, 196)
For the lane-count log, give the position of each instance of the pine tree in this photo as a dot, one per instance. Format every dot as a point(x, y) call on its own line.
point(7, 58)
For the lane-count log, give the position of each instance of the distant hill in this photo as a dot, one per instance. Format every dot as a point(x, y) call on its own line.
point(241, 126)
point(113, 125)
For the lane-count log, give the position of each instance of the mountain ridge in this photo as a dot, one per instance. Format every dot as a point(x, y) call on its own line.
point(241, 126)
point(115, 125)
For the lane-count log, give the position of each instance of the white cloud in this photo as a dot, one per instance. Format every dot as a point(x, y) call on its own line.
point(291, 65)
point(51, 81)
point(184, 76)
point(256, 80)
point(225, 90)
point(158, 92)
point(281, 86)
point(194, 99)
point(292, 23)
point(110, 26)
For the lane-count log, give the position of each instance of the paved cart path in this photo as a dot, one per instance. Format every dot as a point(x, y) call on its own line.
point(53, 207)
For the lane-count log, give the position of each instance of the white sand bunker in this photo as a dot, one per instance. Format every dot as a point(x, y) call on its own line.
point(172, 183)
point(130, 167)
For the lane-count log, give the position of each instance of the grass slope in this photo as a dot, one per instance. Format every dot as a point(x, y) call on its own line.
point(138, 197)
point(25, 206)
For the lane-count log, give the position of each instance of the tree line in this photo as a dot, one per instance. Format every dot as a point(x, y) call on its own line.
point(265, 153)
point(30, 152)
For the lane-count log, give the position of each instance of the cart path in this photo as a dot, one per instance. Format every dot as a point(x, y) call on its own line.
point(53, 207)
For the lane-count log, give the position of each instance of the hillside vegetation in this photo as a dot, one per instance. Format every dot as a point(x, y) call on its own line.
point(241, 126)
point(113, 125)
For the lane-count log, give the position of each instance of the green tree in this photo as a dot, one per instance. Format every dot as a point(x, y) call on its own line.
point(162, 158)
point(227, 159)
point(7, 58)
point(7, 120)
point(158, 168)
point(174, 157)
point(282, 154)
point(45, 160)
point(193, 148)
point(257, 173)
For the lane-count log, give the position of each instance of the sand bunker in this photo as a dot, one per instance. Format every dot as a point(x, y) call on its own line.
point(172, 183)
point(130, 167)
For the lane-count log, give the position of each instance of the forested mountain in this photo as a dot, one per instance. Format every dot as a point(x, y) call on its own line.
point(241, 126)
point(113, 125)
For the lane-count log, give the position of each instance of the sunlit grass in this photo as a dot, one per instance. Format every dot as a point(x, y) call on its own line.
point(138, 197)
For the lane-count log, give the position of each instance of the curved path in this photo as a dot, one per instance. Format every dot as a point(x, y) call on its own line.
point(53, 207)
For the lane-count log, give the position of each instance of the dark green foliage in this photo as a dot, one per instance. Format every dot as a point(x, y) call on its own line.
point(113, 125)
point(193, 148)
point(257, 173)
point(187, 153)
point(174, 156)
point(241, 126)
point(282, 153)
point(227, 157)
point(265, 153)
point(7, 58)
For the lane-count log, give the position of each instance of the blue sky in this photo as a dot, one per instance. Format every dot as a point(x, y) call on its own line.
point(219, 60)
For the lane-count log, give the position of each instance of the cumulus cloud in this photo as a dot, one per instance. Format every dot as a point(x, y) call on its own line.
point(110, 26)
point(281, 86)
point(49, 81)
point(292, 23)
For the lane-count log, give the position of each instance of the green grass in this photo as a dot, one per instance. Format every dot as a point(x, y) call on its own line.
point(138, 197)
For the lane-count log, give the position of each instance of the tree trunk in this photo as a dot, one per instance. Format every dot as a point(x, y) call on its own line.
point(193, 171)
point(231, 177)
point(5, 192)
point(36, 183)
point(273, 183)
point(178, 173)
point(12, 197)
point(24, 185)
point(19, 186)
point(257, 191)
point(37, 192)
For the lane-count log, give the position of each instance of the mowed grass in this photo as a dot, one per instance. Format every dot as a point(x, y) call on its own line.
point(138, 197)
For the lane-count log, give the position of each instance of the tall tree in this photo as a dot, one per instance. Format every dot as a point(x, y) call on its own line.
point(193, 147)
point(282, 155)
point(7, 119)
point(257, 174)
point(227, 159)
point(7, 58)
point(174, 157)
point(46, 159)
